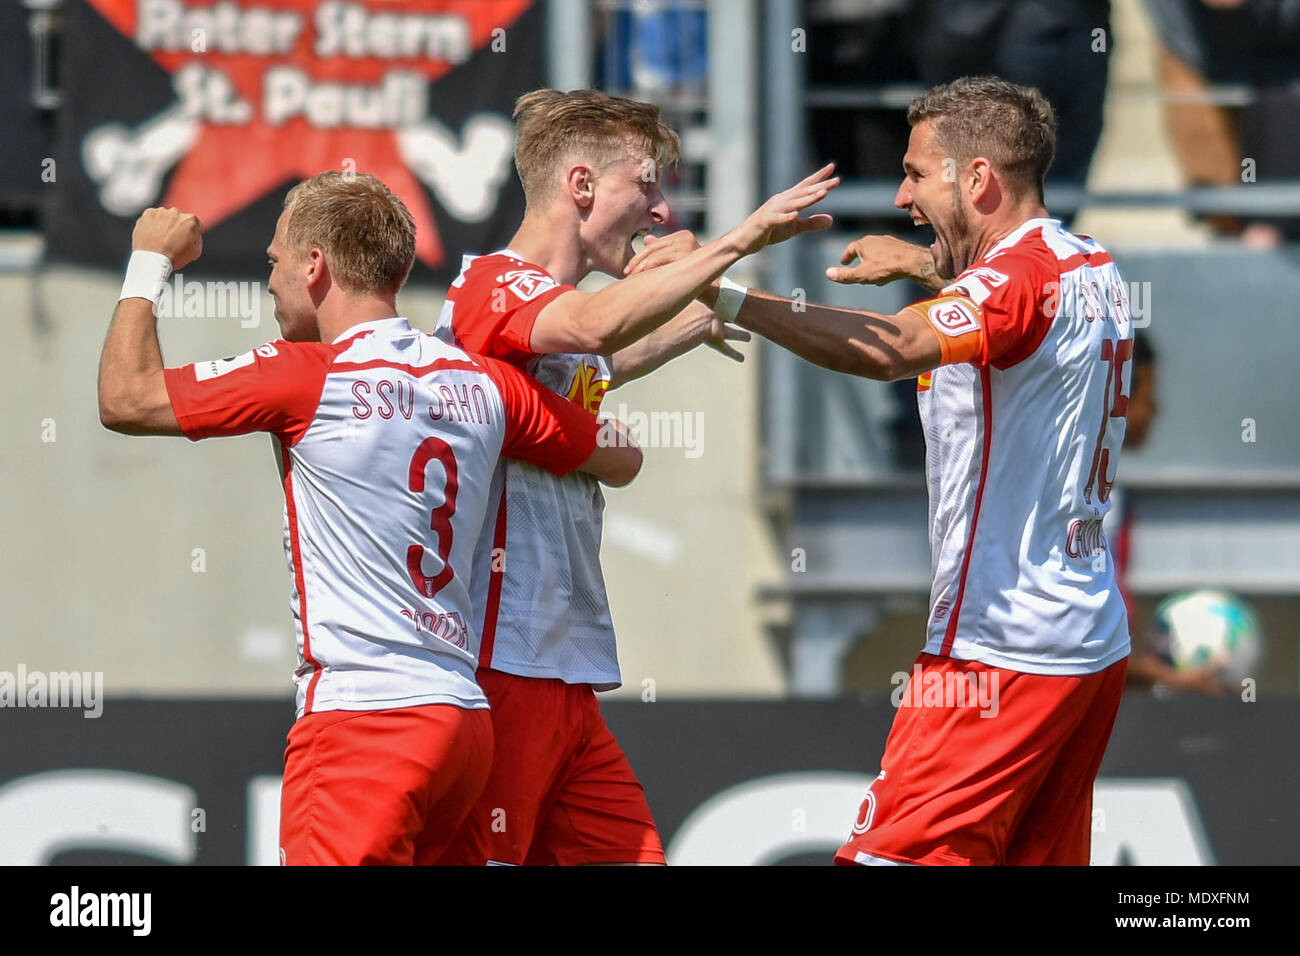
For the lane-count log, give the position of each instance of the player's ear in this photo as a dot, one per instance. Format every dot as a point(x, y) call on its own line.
point(581, 184)
point(317, 270)
point(979, 181)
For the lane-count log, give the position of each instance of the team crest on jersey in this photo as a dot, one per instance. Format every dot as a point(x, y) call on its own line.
point(586, 389)
point(924, 381)
point(953, 317)
point(528, 283)
point(215, 368)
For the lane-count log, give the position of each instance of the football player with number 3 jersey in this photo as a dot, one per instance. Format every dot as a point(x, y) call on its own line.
point(1022, 368)
point(386, 440)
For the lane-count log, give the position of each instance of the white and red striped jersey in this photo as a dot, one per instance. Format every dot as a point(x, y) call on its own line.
point(389, 438)
point(1023, 432)
point(544, 612)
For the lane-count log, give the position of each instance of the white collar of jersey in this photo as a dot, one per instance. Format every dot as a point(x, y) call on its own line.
point(1020, 231)
point(397, 323)
point(467, 258)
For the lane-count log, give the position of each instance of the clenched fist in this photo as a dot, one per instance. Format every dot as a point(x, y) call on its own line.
point(177, 235)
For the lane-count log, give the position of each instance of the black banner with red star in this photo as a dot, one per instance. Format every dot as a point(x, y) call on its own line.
point(218, 108)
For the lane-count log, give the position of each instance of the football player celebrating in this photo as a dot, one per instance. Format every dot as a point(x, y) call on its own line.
point(561, 790)
point(387, 440)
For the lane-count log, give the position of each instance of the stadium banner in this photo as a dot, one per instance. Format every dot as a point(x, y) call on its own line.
point(88, 780)
point(217, 108)
point(25, 146)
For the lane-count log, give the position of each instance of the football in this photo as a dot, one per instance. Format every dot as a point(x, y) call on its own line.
point(1209, 629)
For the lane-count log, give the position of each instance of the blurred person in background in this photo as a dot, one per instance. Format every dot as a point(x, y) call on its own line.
point(1149, 665)
point(1051, 45)
point(1209, 43)
point(854, 44)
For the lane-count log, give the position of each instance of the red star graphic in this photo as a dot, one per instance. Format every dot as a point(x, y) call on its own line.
point(230, 166)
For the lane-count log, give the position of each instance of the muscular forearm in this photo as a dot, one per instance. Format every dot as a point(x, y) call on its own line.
point(630, 309)
point(677, 336)
point(842, 340)
point(130, 365)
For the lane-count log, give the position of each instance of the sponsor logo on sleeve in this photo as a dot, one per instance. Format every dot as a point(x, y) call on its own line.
point(528, 284)
point(953, 317)
point(215, 368)
point(978, 283)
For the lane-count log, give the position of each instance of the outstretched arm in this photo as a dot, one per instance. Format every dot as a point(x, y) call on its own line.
point(132, 394)
point(885, 347)
point(695, 325)
point(623, 312)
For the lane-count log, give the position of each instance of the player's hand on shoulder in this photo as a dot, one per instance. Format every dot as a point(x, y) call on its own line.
point(780, 217)
point(661, 250)
point(177, 235)
point(880, 259)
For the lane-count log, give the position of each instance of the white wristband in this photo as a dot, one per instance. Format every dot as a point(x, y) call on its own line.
point(730, 298)
point(146, 276)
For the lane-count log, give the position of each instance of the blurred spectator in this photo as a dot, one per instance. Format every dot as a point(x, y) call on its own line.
point(653, 47)
point(1206, 43)
point(1049, 44)
point(1148, 666)
point(856, 45)
point(658, 51)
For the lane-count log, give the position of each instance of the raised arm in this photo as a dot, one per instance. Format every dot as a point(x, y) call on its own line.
point(857, 342)
point(132, 392)
point(609, 320)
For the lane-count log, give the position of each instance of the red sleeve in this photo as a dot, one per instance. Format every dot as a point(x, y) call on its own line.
point(496, 304)
point(542, 428)
point(1015, 294)
point(274, 388)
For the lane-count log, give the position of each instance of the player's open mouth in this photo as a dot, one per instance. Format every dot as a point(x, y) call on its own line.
point(934, 245)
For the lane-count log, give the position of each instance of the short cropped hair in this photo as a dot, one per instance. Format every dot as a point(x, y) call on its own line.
point(366, 233)
point(554, 129)
point(1014, 127)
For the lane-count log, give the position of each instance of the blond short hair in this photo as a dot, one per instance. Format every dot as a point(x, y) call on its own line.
point(1014, 127)
point(366, 233)
point(554, 129)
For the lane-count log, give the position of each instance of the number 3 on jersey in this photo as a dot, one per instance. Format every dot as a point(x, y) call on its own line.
point(432, 449)
point(1114, 405)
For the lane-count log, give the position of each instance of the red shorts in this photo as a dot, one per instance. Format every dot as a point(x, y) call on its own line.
point(1014, 787)
point(387, 787)
point(561, 790)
